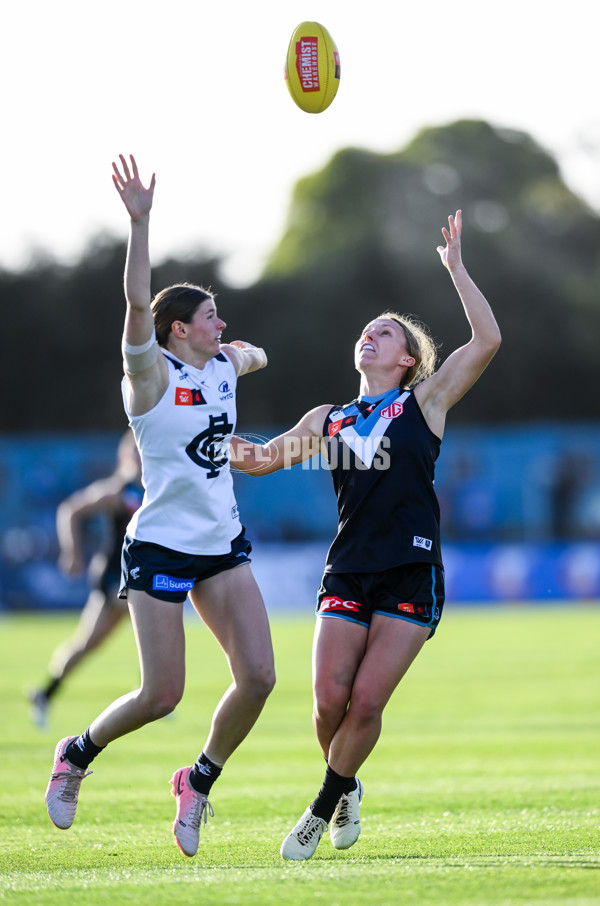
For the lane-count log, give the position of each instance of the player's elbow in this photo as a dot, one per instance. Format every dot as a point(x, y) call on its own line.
point(489, 342)
point(494, 343)
point(496, 339)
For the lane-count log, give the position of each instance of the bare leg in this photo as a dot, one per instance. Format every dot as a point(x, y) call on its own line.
point(392, 645)
point(231, 605)
point(158, 628)
point(338, 648)
point(99, 617)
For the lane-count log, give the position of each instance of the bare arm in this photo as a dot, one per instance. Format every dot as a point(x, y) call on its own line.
point(99, 497)
point(298, 444)
point(438, 393)
point(148, 385)
point(244, 356)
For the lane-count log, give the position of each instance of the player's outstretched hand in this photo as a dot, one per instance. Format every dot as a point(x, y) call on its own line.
point(136, 198)
point(450, 253)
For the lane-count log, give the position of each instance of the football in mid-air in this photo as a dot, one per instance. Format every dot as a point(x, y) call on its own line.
point(312, 67)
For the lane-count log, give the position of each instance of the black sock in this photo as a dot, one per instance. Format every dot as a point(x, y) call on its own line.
point(204, 773)
point(334, 786)
point(50, 688)
point(81, 751)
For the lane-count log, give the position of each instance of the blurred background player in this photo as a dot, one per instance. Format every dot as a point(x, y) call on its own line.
point(115, 498)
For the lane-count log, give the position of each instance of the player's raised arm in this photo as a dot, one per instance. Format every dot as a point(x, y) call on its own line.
point(144, 366)
point(138, 203)
point(465, 365)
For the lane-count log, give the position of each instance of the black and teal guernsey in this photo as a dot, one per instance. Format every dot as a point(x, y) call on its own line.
point(382, 458)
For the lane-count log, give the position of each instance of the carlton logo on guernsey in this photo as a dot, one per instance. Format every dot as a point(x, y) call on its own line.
point(189, 504)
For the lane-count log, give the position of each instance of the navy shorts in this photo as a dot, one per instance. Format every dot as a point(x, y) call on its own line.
point(169, 575)
point(413, 592)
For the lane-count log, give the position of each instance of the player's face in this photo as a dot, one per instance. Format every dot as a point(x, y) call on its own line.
point(383, 343)
point(205, 329)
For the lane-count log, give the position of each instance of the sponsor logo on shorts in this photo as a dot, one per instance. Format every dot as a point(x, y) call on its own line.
point(339, 605)
point(422, 542)
point(406, 608)
point(235, 511)
point(162, 582)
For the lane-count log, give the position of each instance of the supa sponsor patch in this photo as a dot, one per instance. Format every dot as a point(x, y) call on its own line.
point(163, 582)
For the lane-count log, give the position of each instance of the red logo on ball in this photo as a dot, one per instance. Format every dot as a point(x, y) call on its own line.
point(307, 63)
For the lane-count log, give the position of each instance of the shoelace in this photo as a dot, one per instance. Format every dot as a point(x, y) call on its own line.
point(342, 816)
point(202, 809)
point(71, 781)
point(311, 827)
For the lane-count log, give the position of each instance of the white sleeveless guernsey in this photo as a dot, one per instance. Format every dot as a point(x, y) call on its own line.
point(189, 504)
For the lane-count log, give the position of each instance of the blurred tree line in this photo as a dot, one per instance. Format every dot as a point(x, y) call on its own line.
point(361, 237)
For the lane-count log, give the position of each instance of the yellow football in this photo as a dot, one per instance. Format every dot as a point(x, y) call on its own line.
point(312, 67)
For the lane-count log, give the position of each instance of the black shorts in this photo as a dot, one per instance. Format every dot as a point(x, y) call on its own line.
point(413, 592)
point(169, 575)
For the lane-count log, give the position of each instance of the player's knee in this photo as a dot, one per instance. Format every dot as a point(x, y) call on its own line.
point(262, 683)
point(161, 703)
point(365, 707)
point(330, 702)
point(167, 704)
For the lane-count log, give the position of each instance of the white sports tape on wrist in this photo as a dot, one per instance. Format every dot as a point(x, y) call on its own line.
point(138, 358)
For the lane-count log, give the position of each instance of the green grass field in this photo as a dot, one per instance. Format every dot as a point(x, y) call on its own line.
point(484, 788)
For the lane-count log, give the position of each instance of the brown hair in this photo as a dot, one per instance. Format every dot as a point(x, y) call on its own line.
point(419, 344)
point(176, 303)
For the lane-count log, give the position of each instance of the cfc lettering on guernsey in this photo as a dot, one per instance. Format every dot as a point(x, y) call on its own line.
point(207, 449)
